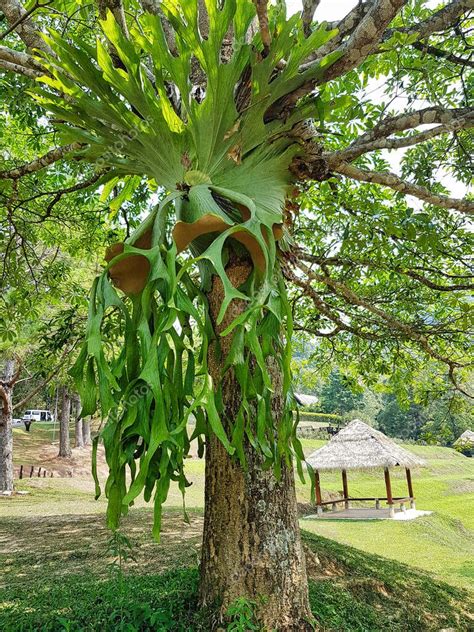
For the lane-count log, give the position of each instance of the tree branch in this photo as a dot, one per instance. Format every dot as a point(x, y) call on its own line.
point(365, 38)
point(19, 70)
point(410, 120)
point(436, 23)
point(40, 163)
point(406, 330)
point(20, 21)
point(44, 382)
point(358, 148)
point(368, 263)
point(154, 7)
point(362, 42)
point(307, 14)
point(262, 14)
point(323, 308)
point(442, 54)
point(117, 10)
point(344, 27)
point(366, 24)
point(25, 16)
point(21, 59)
point(394, 182)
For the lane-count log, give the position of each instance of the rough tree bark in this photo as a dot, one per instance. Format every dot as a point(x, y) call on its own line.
point(86, 432)
point(64, 440)
point(6, 434)
point(251, 541)
point(79, 423)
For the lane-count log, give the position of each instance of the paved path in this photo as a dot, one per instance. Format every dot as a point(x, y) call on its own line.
point(368, 513)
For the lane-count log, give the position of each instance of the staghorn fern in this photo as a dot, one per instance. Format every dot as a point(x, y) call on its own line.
point(226, 175)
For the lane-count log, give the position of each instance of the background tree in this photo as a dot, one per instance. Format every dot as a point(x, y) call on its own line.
point(396, 422)
point(9, 375)
point(78, 422)
point(228, 118)
point(64, 421)
point(340, 395)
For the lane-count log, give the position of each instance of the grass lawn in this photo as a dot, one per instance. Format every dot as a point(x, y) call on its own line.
point(28, 445)
point(58, 574)
point(55, 564)
point(442, 543)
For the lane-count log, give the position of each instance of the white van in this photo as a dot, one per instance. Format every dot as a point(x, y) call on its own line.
point(37, 415)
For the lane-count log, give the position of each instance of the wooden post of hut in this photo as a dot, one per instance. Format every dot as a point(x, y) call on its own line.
point(410, 488)
point(317, 485)
point(345, 489)
point(388, 487)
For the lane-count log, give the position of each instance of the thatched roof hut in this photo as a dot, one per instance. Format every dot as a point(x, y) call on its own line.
point(360, 447)
point(465, 443)
point(467, 437)
point(306, 400)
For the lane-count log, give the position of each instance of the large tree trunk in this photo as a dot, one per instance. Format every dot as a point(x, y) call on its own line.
point(64, 440)
point(6, 433)
point(86, 431)
point(251, 543)
point(79, 423)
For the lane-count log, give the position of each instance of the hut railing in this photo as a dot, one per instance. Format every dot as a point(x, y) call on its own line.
point(367, 498)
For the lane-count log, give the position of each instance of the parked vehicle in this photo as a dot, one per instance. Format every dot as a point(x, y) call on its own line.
point(29, 416)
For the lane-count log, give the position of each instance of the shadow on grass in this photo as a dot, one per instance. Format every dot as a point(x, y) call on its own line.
point(57, 576)
point(369, 592)
point(55, 546)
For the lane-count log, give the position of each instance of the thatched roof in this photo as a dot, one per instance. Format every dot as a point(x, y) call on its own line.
point(358, 447)
point(466, 437)
point(306, 400)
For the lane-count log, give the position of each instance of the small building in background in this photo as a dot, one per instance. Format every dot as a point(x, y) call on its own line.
point(465, 443)
point(360, 447)
point(306, 400)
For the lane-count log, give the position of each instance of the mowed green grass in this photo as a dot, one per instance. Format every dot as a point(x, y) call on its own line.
point(58, 573)
point(441, 543)
point(27, 446)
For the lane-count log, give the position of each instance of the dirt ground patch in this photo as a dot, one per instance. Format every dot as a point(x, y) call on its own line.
point(69, 544)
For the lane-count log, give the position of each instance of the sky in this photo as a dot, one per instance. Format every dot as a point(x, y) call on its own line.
point(331, 10)
point(327, 10)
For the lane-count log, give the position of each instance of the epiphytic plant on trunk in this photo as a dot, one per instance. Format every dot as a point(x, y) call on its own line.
point(218, 111)
point(226, 174)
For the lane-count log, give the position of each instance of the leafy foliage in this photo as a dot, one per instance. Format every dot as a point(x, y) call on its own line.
point(338, 395)
point(226, 172)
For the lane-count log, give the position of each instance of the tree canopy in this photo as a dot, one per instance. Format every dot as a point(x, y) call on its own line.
point(326, 149)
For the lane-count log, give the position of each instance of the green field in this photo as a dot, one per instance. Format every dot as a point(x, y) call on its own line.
point(59, 573)
point(442, 543)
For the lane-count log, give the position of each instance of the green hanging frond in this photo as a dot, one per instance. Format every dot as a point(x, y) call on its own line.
point(226, 176)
